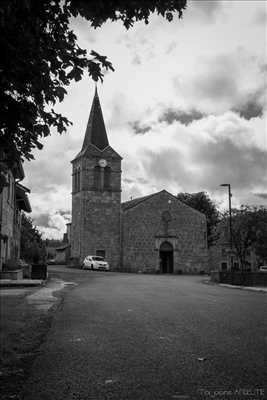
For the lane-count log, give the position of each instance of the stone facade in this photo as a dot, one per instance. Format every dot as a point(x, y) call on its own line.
point(96, 206)
point(7, 220)
point(159, 219)
point(13, 199)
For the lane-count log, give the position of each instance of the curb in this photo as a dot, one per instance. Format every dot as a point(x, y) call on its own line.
point(251, 288)
point(21, 283)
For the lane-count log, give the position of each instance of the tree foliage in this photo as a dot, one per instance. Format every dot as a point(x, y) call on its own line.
point(201, 201)
point(249, 232)
point(32, 247)
point(41, 57)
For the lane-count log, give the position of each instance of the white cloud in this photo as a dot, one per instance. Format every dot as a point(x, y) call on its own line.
point(207, 71)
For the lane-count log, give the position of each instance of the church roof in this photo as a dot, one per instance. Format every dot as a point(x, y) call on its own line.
point(132, 203)
point(95, 132)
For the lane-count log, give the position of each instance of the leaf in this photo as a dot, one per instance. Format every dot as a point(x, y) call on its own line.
point(60, 93)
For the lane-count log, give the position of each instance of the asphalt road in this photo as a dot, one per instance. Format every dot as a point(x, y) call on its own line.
point(134, 337)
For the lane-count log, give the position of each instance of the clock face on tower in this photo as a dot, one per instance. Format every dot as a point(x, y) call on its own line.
point(102, 163)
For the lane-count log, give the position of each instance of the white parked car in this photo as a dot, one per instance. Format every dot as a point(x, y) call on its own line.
point(263, 268)
point(95, 262)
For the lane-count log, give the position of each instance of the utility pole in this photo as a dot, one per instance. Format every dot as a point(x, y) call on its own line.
point(230, 221)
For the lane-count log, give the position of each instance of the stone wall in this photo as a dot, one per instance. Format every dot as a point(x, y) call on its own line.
point(7, 212)
point(144, 231)
point(96, 209)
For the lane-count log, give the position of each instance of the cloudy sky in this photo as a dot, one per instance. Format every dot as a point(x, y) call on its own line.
point(185, 108)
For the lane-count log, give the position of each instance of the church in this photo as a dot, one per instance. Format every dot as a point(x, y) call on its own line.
point(151, 234)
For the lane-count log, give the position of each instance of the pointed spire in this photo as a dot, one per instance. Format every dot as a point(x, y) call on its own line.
point(96, 132)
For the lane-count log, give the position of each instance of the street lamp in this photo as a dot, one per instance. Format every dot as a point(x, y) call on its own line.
point(230, 221)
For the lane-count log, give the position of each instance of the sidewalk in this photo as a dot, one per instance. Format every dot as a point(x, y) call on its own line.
point(27, 308)
point(251, 288)
point(21, 282)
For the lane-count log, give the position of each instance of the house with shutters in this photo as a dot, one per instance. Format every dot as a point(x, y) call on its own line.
point(13, 200)
point(154, 233)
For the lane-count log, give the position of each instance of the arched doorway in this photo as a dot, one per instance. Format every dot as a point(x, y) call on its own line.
point(166, 258)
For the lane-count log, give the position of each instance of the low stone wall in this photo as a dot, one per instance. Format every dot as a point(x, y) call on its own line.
point(239, 278)
point(14, 275)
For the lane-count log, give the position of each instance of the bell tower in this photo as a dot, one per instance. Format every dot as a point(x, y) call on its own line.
point(96, 194)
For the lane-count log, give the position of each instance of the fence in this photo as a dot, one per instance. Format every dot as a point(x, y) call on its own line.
point(240, 278)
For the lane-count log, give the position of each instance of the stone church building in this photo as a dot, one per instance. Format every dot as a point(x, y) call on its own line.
point(154, 233)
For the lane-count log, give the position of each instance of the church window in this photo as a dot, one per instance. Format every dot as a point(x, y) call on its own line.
point(224, 266)
point(97, 177)
point(74, 180)
point(8, 187)
point(107, 177)
point(236, 266)
point(78, 179)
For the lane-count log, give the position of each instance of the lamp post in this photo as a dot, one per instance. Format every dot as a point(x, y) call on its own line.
point(230, 221)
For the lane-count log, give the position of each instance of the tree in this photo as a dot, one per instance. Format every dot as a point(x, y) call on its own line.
point(249, 232)
point(201, 201)
point(32, 247)
point(42, 57)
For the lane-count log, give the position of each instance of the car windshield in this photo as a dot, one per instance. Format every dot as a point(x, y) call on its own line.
point(98, 258)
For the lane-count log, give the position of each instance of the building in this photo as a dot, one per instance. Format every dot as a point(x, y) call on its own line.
point(155, 233)
point(62, 254)
point(13, 200)
point(223, 258)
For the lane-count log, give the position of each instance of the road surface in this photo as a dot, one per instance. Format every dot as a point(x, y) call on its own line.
point(152, 337)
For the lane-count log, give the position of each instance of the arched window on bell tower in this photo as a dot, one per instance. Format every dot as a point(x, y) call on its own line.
point(97, 177)
point(78, 179)
point(107, 178)
point(74, 180)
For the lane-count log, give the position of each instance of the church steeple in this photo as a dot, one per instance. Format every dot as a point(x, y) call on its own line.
point(95, 132)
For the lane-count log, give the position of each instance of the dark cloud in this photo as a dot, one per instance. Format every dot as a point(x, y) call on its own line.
point(207, 166)
point(232, 81)
point(261, 195)
point(165, 167)
point(252, 107)
point(185, 117)
point(207, 9)
point(138, 128)
point(224, 160)
point(216, 85)
point(46, 175)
